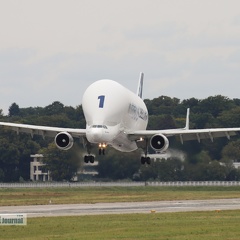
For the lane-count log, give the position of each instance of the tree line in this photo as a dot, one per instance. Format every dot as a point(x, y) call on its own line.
point(202, 161)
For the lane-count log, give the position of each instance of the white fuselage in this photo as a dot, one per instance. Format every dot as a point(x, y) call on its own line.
point(111, 111)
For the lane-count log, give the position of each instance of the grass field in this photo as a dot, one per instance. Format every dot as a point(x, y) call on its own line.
point(111, 194)
point(173, 226)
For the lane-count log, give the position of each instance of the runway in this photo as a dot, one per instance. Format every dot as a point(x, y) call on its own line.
point(122, 208)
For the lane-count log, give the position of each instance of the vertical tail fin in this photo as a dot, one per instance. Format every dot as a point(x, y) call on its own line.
point(140, 85)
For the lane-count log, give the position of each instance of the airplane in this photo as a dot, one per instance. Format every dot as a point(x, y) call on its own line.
point(117, 117)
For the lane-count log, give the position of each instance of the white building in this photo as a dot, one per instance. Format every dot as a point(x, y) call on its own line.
point(236, 165)
point(37, 171)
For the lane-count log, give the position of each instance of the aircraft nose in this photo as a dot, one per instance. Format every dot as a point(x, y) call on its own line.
point(97, 134)
point(94, 135)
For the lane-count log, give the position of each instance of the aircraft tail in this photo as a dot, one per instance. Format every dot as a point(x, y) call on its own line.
point(140, 85)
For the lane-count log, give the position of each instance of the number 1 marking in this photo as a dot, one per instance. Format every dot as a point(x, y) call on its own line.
point(101, 101)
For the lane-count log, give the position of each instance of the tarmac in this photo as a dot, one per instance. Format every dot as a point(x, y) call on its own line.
point(52, 210)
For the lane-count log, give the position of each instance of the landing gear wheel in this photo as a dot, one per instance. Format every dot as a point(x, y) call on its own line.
point(89, 158)
point(145, 160)
point(86, 159)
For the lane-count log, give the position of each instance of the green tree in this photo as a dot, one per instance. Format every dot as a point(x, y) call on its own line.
point(15, 151)
point(2, 175)
point(161, 122)
point(232, 151)
point(191, 103)
point(63, 165)
point(170, 169)
point(118, 166)
point(215, 172)
point(54, 108)
point(202, 120)
point(230, 118)
point(215, 105)
point(162, 105)
point(13, 110)
point(9, 156)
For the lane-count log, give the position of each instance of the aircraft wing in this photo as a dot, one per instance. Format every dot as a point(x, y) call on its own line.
point(187, 134)
point(43, 130)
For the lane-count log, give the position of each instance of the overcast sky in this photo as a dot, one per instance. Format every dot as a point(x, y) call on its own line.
point(51, 50)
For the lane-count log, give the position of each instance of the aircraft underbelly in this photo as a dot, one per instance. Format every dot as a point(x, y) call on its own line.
point(123, 144)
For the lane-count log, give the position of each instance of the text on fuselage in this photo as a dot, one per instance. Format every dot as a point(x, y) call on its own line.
point(137, 112)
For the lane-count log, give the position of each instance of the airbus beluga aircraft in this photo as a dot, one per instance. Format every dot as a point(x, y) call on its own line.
point(117, 117)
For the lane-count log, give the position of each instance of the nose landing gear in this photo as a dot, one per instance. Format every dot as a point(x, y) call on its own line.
point(101, 148)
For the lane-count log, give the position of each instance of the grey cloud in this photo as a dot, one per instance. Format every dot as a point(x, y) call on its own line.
point(235, 58)
point(64, 77)
point(154, 31)
point(236, 20)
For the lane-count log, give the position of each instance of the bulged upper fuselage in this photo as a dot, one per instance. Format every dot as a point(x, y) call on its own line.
point(111, 111)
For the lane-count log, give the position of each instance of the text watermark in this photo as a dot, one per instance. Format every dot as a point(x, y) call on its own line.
point(13, 219)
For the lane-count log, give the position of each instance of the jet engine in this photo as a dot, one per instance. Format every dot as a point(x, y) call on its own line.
point(64, 140)
point(159, 143)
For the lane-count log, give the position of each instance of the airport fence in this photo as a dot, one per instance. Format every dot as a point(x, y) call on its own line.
point(116, 184)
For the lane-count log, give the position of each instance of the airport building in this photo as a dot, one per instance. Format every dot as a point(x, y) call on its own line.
point(236, 165)
point(87, 171)
point(37, 169)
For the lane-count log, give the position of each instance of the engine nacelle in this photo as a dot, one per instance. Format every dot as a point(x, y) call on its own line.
point(64, 140)
point(159, 143)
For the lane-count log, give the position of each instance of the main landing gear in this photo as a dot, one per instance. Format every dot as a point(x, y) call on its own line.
point(145, 160)
point(89, 158)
